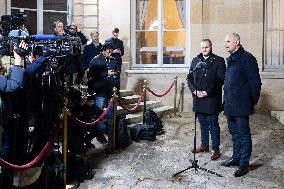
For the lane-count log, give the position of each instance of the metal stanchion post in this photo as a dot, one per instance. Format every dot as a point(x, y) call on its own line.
point(145, 86)
point(114, 105)
point(64, 150)
point(182, 96)
point(175, 97)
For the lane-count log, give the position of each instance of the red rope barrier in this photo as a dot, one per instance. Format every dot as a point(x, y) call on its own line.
point(161, 95)
point(82, 123)
point(30, 164)
point(137, 104)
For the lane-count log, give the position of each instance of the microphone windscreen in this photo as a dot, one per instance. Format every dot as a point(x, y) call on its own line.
point(44, 37)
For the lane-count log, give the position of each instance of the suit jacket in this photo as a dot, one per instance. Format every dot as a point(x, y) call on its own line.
point(90, 51)
point(209, 78)
point(242, 84)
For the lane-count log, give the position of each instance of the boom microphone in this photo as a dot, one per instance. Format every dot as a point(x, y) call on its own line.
point(39, 37)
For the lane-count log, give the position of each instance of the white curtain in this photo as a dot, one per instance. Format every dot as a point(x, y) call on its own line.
point(181, 11)
point(143, 10)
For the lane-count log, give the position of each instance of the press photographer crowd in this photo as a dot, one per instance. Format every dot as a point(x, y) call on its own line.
point(48, 71)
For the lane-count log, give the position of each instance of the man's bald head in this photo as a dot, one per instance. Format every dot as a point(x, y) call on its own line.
point(232, 42)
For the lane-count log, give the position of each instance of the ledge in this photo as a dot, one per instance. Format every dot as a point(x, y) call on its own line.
point(272, 75)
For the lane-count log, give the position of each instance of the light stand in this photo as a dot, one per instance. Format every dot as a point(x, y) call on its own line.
point(194, 162)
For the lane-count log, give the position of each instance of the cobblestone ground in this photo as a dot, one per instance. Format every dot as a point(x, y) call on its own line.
point(146, 165)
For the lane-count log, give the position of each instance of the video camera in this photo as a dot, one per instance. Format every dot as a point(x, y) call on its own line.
point(42, 45)
point(11, 22)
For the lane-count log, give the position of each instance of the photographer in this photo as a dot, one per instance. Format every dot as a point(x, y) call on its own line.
point(102, 76)
point(74, 62)
point(7, 86)
point(83, 108)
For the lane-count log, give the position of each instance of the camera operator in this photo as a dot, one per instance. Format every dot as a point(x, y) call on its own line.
point(84, 108)
point(15, 80)
point(8, 86)
point(74, 63)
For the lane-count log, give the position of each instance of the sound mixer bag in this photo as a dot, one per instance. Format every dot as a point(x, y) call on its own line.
point(143, 132)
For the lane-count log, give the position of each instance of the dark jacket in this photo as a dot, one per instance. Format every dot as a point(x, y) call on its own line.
point(90, 51)
point(14, 82)
point(209, 78)
point(117, 44)
point(242, 84)
point(99, 81)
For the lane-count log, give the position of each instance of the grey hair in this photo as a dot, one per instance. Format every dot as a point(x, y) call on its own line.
point(237, 37)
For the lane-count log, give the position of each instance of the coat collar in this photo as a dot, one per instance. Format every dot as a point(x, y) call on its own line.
point(236, 55)
point(210, 59)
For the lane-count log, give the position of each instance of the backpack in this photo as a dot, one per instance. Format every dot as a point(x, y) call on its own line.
point(151, 118)
point(143, 132)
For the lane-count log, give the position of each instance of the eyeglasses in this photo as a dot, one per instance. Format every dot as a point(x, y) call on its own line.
point(72, 28)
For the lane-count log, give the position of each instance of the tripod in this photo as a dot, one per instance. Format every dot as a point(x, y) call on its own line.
point(194, 163)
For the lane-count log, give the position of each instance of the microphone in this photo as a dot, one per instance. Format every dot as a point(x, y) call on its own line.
point(198, 66)
point(44, 37)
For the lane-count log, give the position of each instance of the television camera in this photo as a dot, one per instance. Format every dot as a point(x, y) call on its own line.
point(42, 45)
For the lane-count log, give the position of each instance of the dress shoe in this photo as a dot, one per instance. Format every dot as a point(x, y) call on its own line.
point(200, 149)
point(216, 155)
point(241, 171)
point(230, 163)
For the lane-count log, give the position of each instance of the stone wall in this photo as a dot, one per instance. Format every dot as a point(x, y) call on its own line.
point(3, 7)
point(85, 15)
point(114, 13)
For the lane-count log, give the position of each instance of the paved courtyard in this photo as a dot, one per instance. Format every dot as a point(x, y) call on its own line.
point(146, 165)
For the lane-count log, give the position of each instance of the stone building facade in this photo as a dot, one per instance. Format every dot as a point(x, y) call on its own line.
point(162, 36)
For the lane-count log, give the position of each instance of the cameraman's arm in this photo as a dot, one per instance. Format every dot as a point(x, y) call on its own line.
point(82, 37)
point(35, 65)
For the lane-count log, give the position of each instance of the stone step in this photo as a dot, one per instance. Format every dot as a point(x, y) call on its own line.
point(131, 99)
point(134, 118)
point(149, 104)
point(125, 92)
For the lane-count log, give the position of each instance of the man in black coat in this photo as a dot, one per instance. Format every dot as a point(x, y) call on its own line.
point(91, 50)
point(242, 87)
point(117, 53)
point(102, 71)
point(205, 81)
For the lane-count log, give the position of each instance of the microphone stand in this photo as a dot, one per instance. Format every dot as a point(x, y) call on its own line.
point(194, 162)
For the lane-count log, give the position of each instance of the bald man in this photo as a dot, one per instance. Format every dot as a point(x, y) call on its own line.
point(241, 93)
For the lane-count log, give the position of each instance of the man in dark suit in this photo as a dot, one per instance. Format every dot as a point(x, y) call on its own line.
point(205, 81)
point(117, 53)
point(91, 50)
point(242, 87)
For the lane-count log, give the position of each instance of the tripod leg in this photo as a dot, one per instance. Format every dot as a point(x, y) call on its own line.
point(176, 174)
point(209, 171)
